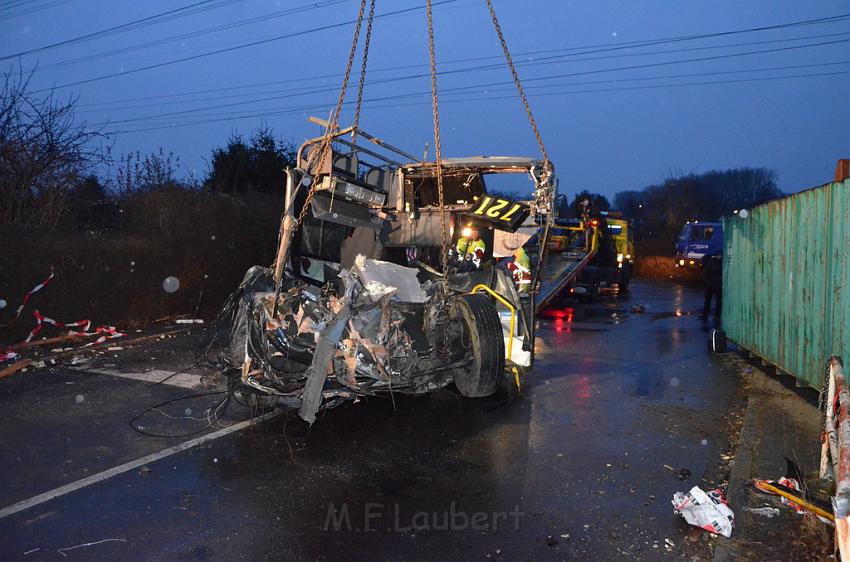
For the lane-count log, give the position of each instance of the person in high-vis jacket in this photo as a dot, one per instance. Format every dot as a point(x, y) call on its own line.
point(521, 268)
point(469, 253)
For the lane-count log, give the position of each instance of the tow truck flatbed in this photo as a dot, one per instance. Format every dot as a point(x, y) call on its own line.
point(560, 270)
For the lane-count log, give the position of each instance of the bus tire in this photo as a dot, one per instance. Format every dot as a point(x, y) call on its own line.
point(483, 328)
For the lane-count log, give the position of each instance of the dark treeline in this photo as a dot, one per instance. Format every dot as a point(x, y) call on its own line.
point(661, 210)
point(112, 228)
point(58, 173)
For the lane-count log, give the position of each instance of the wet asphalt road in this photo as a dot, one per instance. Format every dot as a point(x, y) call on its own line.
point(580, 458)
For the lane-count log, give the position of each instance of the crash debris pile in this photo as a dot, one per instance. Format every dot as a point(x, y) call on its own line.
point(376, 328)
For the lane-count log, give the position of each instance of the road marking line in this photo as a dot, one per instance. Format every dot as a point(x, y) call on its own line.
point(106, 474)
point(183, 380)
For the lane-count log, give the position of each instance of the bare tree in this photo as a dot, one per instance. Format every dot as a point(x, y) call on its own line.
point(44, 153)
point(137, 172)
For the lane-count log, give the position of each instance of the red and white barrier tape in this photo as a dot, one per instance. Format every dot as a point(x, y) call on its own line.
point(40, 321)
point(33, 291)
point(9, 354)
point(108, 332)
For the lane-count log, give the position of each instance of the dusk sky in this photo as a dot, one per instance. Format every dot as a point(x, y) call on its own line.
point(626, 93)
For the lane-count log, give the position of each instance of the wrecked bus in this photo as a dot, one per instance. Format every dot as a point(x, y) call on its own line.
point(360, 301)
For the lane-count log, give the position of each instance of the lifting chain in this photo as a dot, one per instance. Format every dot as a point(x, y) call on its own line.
point(525, 103)
point(316, 156)
point(438, 162)
point(438, 156)
point(546, 173)
point(319, 156)
point(362, 82)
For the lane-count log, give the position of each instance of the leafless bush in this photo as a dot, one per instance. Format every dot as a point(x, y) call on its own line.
point(137, 172)
point(43, 154)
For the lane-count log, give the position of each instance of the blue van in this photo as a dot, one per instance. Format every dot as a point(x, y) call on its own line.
point(697, 240)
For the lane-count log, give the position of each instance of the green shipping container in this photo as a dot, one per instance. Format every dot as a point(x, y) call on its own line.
point(786, 269)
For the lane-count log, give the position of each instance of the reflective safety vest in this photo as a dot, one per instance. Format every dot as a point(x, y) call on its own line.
point(475, 252)
point(470, 250)
point(521, 268)
point(460, 248)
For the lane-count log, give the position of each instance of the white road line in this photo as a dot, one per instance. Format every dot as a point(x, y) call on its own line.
point(183, 380)
point(106, 474)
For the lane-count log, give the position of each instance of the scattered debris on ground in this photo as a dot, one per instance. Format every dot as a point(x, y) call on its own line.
point(707, 510)
point(767, 511)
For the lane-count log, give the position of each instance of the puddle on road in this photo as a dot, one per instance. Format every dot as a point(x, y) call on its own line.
point(678, 313)
point(594, 315)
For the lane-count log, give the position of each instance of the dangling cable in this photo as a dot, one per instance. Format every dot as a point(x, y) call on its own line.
point(362, 82)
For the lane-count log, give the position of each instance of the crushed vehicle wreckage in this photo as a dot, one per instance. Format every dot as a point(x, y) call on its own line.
point(355, 303)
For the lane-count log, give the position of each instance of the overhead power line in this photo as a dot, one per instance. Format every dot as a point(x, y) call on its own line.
point(28, 10)
point(242, 46)
point(491, 87)
point(494, 84)
point(309, 90)
point(190, 35)
point(478, 99)
point(168, 15)
point(816, 21)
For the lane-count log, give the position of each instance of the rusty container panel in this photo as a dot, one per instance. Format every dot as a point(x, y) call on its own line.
point(786, 268)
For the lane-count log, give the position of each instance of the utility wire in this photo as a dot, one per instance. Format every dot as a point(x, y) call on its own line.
point(240, 46)
point(31, 9)
point(487, 88)
point(829, 19)
point(131, 25)
point(309, 90)
point(424, 95)
point(190, 35)
point(588, 49)
point(499, 83)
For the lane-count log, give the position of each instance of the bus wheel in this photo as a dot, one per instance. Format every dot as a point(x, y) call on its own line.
point(480, 326)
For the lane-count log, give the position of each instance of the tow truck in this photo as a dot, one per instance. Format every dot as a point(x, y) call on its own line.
point(591, 254)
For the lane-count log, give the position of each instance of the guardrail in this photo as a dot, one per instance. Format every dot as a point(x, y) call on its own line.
point(835, 451)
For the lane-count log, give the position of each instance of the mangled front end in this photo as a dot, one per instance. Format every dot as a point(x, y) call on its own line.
point(380, 328)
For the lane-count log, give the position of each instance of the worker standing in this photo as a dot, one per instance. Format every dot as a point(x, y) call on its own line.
point(712, 271)
point(469, 252)
point(475, 253)
point(457, 255)
point(521, 268)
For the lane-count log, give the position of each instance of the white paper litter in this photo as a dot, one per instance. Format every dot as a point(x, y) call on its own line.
point(189, 321)
point(707, 510)
point(769, 512)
